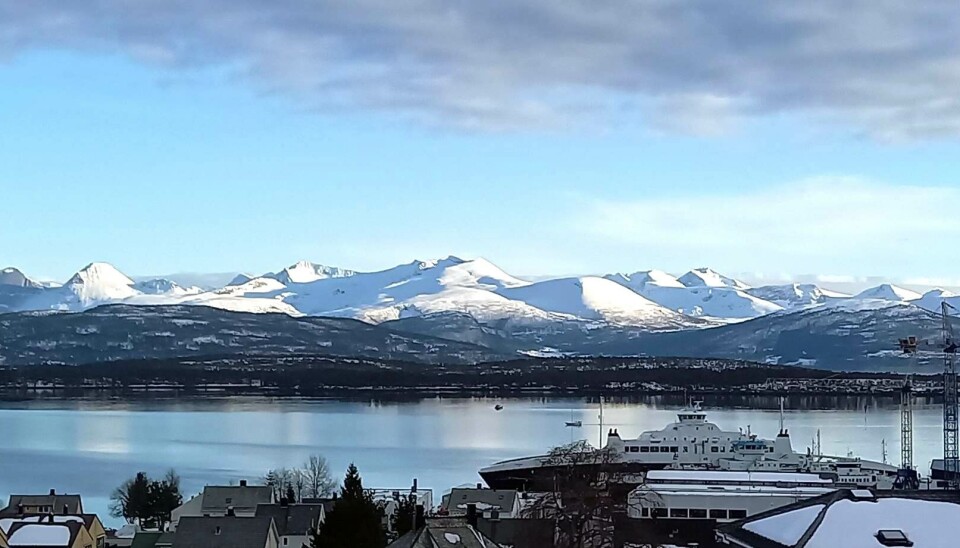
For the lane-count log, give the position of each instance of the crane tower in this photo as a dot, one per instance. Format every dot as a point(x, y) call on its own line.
point(949, 399)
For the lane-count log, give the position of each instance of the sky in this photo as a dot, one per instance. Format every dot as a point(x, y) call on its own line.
point(779, 139)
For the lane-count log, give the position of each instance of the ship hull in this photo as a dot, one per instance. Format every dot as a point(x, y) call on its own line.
point(538, 477)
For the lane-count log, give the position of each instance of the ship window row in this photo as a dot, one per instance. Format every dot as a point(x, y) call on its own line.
point(693, 513)
point(652, 449)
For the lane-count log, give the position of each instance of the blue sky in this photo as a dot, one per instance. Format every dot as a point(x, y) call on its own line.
point(218, 164)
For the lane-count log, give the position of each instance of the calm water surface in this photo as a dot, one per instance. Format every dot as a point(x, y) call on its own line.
point(91, 447)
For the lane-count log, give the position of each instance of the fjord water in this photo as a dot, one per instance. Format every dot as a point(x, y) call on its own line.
point(90, 447)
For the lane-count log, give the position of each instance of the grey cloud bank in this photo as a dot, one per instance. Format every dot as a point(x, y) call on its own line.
point(888, 69)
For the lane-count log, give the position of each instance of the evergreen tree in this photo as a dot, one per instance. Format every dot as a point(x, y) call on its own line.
point(291, 494)
point(146, 502)
point(402, 520)
point(355, 521)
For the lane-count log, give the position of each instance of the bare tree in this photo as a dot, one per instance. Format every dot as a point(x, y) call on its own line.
point(587, 494)
point(318, 482)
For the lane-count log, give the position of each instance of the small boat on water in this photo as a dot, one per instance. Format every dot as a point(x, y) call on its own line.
point(575, 424)
point(498, 407)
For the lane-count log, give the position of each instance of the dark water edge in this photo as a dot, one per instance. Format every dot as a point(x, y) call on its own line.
point(847, 401)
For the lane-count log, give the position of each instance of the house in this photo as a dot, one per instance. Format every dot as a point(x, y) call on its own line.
point(490, 503)
point(242, 500)
point(90, 522)
point(295, 523)
point(42, 504)
point(226, 532)
point(857, 517)
point(445, 532)
point(390, 501)
point(49, 534)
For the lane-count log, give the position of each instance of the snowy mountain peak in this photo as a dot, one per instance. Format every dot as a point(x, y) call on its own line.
point(305, 272)
point(641, 279)
point(100, 274)
point(240, 279)
point(161, 286)
point(13, 276)
point(888, 292)
point(706, 277)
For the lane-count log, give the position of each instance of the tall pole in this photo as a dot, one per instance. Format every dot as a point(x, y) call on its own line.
point(600, 443)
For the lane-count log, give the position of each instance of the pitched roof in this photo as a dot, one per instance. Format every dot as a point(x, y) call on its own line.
point(444, 533)
point(55, 502)
point(47, 535)
point(219, 499)
point(7, 522)
point(850, 518)
point(292, 519)
point(223, 532)
point(152, 539)
point(485, 499)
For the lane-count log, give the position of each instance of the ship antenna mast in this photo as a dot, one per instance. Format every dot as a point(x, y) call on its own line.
point(781, 414)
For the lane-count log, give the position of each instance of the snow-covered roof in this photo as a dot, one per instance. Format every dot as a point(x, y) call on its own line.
point(40, 534)
point(846, 518)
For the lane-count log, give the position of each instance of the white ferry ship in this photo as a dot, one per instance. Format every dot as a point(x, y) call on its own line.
point(693, 443)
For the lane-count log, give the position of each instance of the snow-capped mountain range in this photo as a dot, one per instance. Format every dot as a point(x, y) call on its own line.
point(651, 300)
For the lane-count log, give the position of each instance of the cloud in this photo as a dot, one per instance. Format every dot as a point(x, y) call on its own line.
point(841, 224)
point(886, 68)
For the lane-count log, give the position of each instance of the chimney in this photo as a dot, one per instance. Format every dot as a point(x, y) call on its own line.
point(66, 509)
point(53, 492)
point(20, 509)
point(230, 512)
point(472, 514)
point(243, 483)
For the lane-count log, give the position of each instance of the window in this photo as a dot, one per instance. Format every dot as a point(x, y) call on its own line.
point(687, 449)
point(659, 512)
point(678, 512)
point(217, 530)
point(286, 540)
point(718, 514)
point(634, 449)
point(770, 449)
point(644, 512)
point(229, 500)
point(698, 513)
point(893, 537)
point(738, 514)
point(714, 449)
point(644, 449)
point(674, 449)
